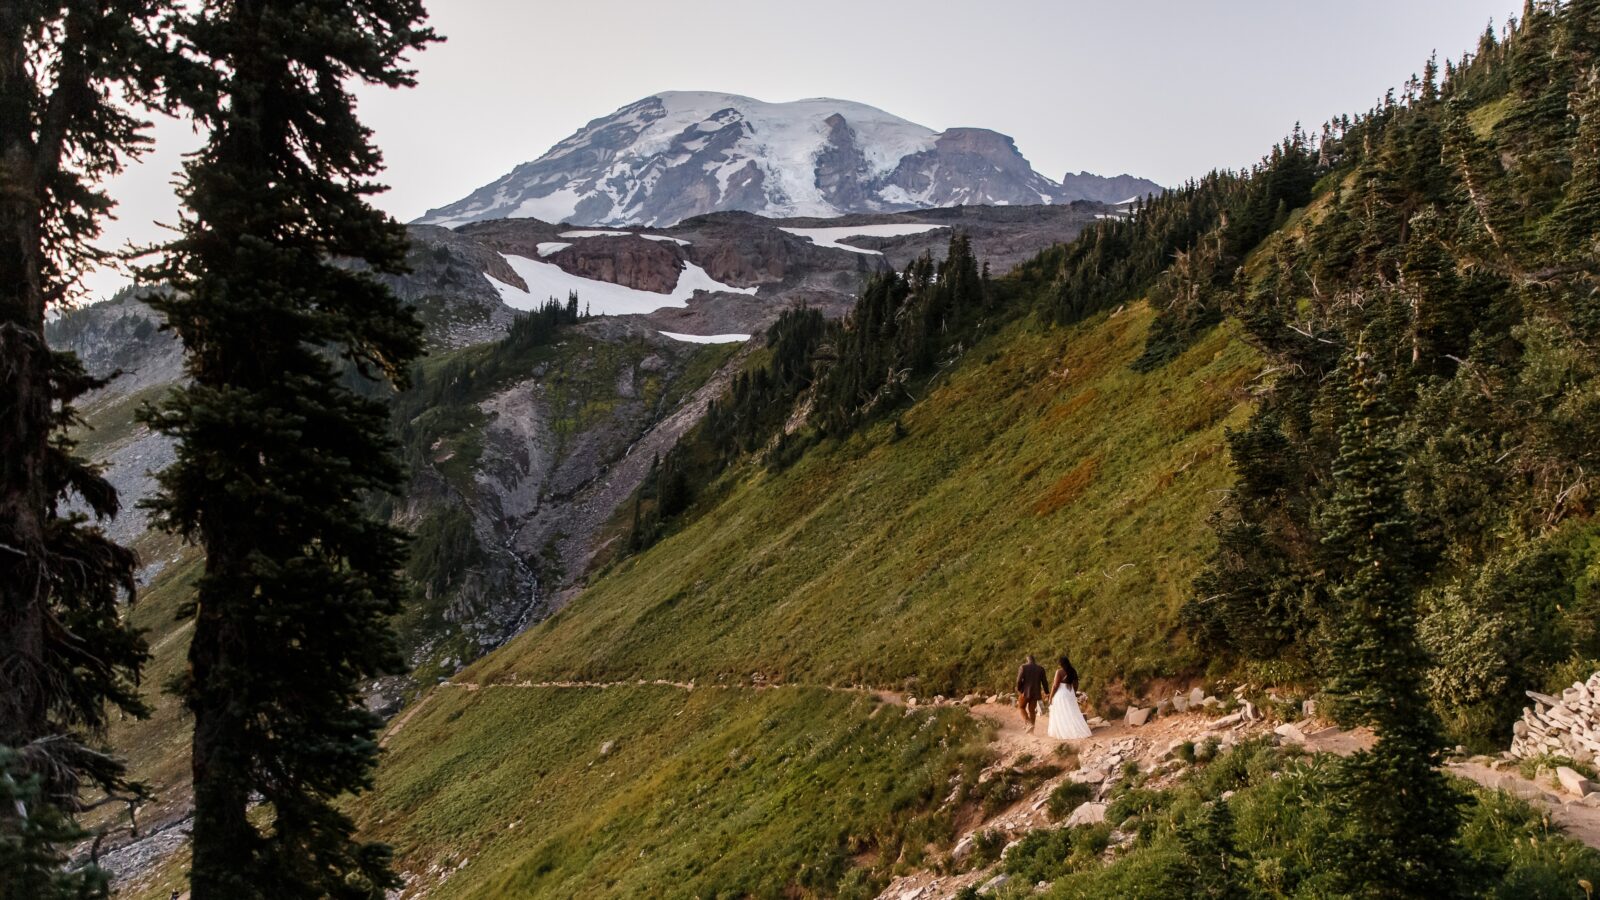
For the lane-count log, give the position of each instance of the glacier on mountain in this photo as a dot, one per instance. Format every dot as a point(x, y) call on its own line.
point(679, 154)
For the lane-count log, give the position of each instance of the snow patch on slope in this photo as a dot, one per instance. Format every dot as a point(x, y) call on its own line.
point(600, 232)
point(548, 280)
point(707, 338)
point(830, 237)
point(557, 207)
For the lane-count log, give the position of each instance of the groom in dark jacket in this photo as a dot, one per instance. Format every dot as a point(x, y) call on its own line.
point(1030, 690)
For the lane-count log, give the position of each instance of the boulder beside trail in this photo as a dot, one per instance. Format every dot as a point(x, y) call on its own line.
point(1087, 814)
point(995, 883)
point(1290, 732)
point(1573, 782)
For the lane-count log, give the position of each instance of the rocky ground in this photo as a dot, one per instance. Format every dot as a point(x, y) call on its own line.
point(1151, 745)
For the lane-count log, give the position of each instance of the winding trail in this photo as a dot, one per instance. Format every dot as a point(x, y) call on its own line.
point(1577, 820)
point(1109, 747)
point(1014, 746)
point(400, 722)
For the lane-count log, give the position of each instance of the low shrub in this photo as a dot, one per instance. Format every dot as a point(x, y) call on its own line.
point(987, 845)
point(1067, 796)
point(1048, 854)
point(1268, 839)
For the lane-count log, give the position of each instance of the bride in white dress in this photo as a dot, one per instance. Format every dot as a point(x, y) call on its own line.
point(1066, 720)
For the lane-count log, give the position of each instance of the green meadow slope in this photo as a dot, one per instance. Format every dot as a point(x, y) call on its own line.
point(655, 791)
point(1041, 496)
point(446, 439)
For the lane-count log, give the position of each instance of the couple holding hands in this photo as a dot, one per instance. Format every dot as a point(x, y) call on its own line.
point(1066, 719)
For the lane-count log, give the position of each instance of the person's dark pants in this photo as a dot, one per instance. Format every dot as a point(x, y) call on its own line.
point(1029, 707)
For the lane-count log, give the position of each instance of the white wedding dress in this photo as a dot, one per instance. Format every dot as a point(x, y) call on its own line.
point(1066, 720)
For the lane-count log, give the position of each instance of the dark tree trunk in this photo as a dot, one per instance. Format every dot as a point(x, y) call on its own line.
point(24, 405)
point(221, 772)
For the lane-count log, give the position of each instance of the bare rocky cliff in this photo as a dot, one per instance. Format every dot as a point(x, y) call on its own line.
point(1113, 189)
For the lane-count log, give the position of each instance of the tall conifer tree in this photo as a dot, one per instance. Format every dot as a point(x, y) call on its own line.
point(66, 653)
point(1399, 814)
point(274, 455)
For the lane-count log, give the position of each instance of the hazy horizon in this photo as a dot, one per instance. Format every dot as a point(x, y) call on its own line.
point(1164, 90)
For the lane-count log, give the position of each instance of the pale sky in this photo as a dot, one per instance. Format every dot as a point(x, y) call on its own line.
point(1166, 89)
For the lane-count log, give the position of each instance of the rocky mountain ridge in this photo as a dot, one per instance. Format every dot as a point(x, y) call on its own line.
point(1114, 189)
point(679, 154)
point(549, 476)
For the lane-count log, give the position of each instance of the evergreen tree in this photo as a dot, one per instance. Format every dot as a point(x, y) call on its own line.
point(1398, 812)
point(1212, 866)
point(32, 865)
point(65, 650)
point(1575, 225)
point(1441, 316)
point(1487, 209)
point(275, 455)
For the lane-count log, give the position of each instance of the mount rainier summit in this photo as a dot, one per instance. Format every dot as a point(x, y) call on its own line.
point(680, 154)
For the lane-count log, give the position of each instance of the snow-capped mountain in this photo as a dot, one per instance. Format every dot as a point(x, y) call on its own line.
point(684, 153)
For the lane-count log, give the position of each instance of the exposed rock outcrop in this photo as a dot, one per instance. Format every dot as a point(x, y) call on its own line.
point(1568, 725)
point(630, 261)
point(969, 166)
point(1103, 189)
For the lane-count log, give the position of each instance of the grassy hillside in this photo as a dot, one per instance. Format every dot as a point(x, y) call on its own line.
point(507, 792)
point(158, 746)
point(1042, 498)
point(583, 391)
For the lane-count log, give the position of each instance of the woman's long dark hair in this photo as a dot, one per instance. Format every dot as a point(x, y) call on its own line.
point(1072, 674)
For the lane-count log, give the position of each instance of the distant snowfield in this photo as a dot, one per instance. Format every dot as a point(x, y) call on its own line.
point(598, 232)
point(602, 298)
point(549, 247)
point(707, 338)
point(556, 207)
point(593, 232)
point(830, 237)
